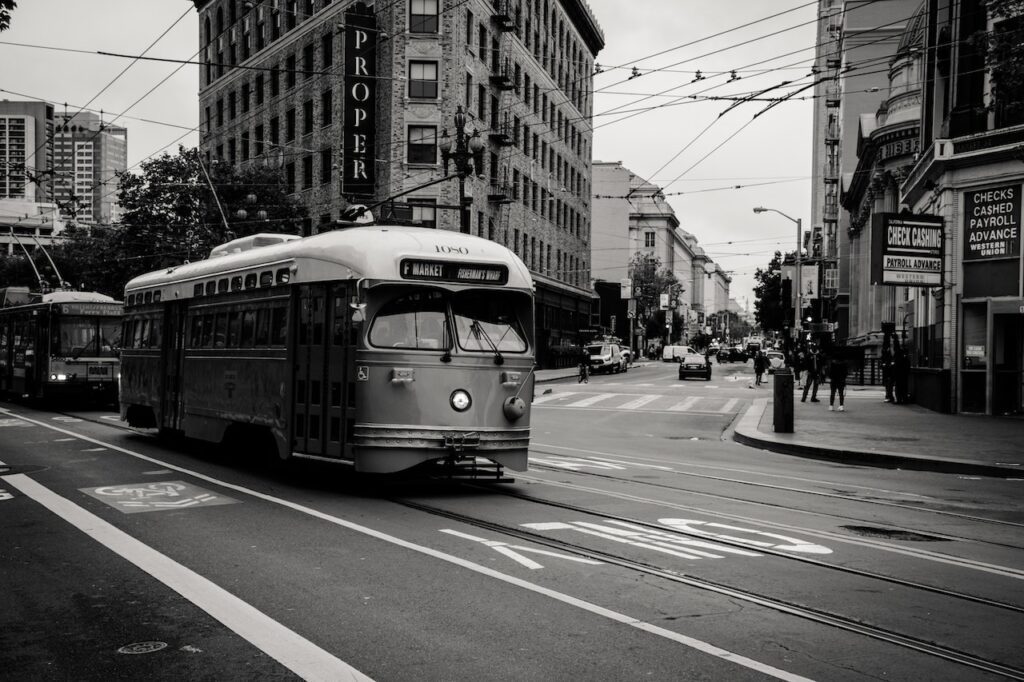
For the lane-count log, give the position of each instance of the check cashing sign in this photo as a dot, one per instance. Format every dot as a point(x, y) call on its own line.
point(992, 223)
point(906, 250)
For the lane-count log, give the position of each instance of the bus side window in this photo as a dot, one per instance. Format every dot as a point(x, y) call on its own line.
point(267, 279)
point(220, 329)
point(282, 276)
point(211, 288)
point(236, 283)
point(196, 338)
point(250, 281)
point(279, 326)
point(234, 328)
point(207, 330)
point(248, 325)
point(263, 327)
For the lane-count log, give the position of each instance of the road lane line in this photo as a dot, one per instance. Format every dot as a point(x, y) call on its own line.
point(729, 405)
point(589, 607)
point(553, 396)
point(685, 405)
point(639, 402)
point(291, 650)
point(587, 402)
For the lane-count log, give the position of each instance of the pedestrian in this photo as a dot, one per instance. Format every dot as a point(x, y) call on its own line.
point(760, 365)
point(812, 364)
point(887, 373)
point(584, 367)
point(798, 365)
point(837, 370)
point(901, 376)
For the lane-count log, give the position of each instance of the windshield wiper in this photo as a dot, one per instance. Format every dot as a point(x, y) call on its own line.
point(479, 331)
point(85, 347)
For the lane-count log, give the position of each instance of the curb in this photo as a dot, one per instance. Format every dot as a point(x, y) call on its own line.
point(747, 433)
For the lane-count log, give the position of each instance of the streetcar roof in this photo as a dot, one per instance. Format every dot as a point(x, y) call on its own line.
point(373, 252)
point(77, 297)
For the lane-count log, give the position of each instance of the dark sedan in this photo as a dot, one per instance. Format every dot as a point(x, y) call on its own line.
point(696, 366)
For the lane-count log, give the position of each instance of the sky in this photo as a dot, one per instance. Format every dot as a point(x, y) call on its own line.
point(714, 167)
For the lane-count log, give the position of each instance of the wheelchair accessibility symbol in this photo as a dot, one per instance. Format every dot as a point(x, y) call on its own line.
point(161, 496)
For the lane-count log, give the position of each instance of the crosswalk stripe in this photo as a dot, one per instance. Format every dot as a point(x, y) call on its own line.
point(553, 396)
point(684, 406)
point(639, 402)
point(587, 402)
point(729, 405)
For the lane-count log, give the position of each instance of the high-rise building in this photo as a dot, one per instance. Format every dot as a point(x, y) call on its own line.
point(355, 103)
point(26, 155)
point(88, 154)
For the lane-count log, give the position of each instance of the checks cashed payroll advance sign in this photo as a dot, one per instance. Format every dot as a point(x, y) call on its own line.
point(906, 250)
point(992, 222)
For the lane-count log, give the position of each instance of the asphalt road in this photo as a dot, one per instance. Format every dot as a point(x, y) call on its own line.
point(642, 544)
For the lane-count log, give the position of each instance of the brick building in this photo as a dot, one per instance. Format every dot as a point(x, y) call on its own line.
point(351, 101)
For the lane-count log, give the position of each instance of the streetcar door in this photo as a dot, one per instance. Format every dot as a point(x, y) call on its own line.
point(172, 356)
point(340, 410)
point(6, 341)
point(310, 370)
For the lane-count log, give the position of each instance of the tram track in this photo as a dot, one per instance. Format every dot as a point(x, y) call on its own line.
point(819, 616)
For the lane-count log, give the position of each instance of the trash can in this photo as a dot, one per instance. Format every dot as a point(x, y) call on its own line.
point(783, 416)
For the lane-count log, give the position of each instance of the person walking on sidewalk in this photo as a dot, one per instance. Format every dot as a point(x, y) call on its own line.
point(584, 367)
point(887, 373)
point(813, 367)
point(837, 370)
point(760, 365)
point(797, 363)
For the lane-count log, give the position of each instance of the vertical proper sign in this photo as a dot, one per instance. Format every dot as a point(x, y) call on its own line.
point(992, 222)
point(906, 249)
point(360, 102)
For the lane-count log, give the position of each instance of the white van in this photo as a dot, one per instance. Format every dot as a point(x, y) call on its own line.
point(673, 353)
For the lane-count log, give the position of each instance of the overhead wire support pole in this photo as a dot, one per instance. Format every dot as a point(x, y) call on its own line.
point(39, 278)
point(60, 277)
point(214, 192)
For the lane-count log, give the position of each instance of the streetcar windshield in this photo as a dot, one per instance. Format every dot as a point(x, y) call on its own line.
point(486, 321)
point(78, 336)
point(414, 321)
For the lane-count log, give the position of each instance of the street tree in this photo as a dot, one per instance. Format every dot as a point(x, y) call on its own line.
point(768, 305)
point(1004, 57)
point(6, 6)
point(170, 215)
point(650, 280)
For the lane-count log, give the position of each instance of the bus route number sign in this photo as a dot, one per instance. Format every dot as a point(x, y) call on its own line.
point(450, 271)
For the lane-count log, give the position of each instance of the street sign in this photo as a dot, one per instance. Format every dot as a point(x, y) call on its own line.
point(664, 301)
point(611, 323)
point(631, 308)
point(626, 288)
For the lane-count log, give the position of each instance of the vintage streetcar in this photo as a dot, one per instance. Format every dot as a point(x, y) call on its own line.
point(61, 345)
point(381, 347)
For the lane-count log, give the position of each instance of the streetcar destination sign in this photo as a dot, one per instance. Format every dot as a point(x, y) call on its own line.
point(450, 271)
point(906, 250)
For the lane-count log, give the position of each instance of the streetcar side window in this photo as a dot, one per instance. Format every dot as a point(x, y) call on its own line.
point(248, 328)
point(282, 276)
point(131, 300)
point(207, 330)
point(141, 332)
point(148, 297)
point(263, 327)
point(279, 326)
point(267, 279)
point(222, 286)
point(155, 333)
point(211, 288)
point(156, 297)
point(234, 328)
point(220, 329)
point(196, 338)
point(236, 283)
point(197, 290)
point(250, 281)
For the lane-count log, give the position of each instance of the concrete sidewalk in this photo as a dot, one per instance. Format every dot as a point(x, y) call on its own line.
point(877, 433)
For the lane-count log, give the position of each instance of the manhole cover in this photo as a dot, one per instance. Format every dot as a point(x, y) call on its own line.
point(142, 647)
point(873, 532)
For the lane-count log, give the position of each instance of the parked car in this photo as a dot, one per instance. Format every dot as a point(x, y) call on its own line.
point(776, 360)
point(606, 357)
point(732, 354)
point(694, 365)
point(674, 353)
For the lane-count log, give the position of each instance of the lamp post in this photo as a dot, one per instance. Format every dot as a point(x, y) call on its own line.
point(799, 273)
point(468, 147)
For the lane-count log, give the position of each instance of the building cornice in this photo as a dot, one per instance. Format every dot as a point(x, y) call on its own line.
point(583, 19)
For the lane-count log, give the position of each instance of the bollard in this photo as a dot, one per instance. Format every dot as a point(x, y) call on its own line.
point(783, 416)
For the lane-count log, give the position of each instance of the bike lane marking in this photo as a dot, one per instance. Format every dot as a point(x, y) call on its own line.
point(590, 607)
point(510, 550)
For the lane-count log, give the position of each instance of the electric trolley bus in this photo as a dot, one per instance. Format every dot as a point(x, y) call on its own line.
point(59, 345)
point(381, 347)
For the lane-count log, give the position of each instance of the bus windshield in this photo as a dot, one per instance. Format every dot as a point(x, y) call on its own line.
point(485, 321)
point(88, 336)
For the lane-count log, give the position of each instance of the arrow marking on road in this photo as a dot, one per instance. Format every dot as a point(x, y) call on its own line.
point(512, 551)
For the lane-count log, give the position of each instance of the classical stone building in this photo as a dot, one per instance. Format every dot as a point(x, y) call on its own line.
point(352, 101)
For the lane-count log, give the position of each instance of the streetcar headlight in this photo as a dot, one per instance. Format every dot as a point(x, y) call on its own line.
point(460, 400)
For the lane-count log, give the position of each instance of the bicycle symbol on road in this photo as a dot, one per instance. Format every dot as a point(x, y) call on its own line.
point(143, 492)
point(156, 496)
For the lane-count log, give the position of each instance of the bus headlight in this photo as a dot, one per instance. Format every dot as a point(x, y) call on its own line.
point(58, 377)
point(460, 400)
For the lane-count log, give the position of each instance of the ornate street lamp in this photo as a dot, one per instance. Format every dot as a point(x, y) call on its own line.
point(468, 148)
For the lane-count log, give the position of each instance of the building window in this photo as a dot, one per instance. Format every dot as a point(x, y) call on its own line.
point(469, 92)
point(326, 107)
point(423, 80)
point(289, 125)
point(275, 130)
point(259, 140)
point(423, 211)
point(245, 146)
point(259, 89)
point(422, 144)
point(220, 112)
point(289, 177)
point(275, 81)
point(245, 98)
point(289, 71)
point(326, 165)
point(307, 61)
point(307, 171)
point(469, 28)
point(327, 48)
point(307, 117)
point(423, 16)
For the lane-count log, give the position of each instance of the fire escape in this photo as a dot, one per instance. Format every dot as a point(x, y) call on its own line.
point(504, 78)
